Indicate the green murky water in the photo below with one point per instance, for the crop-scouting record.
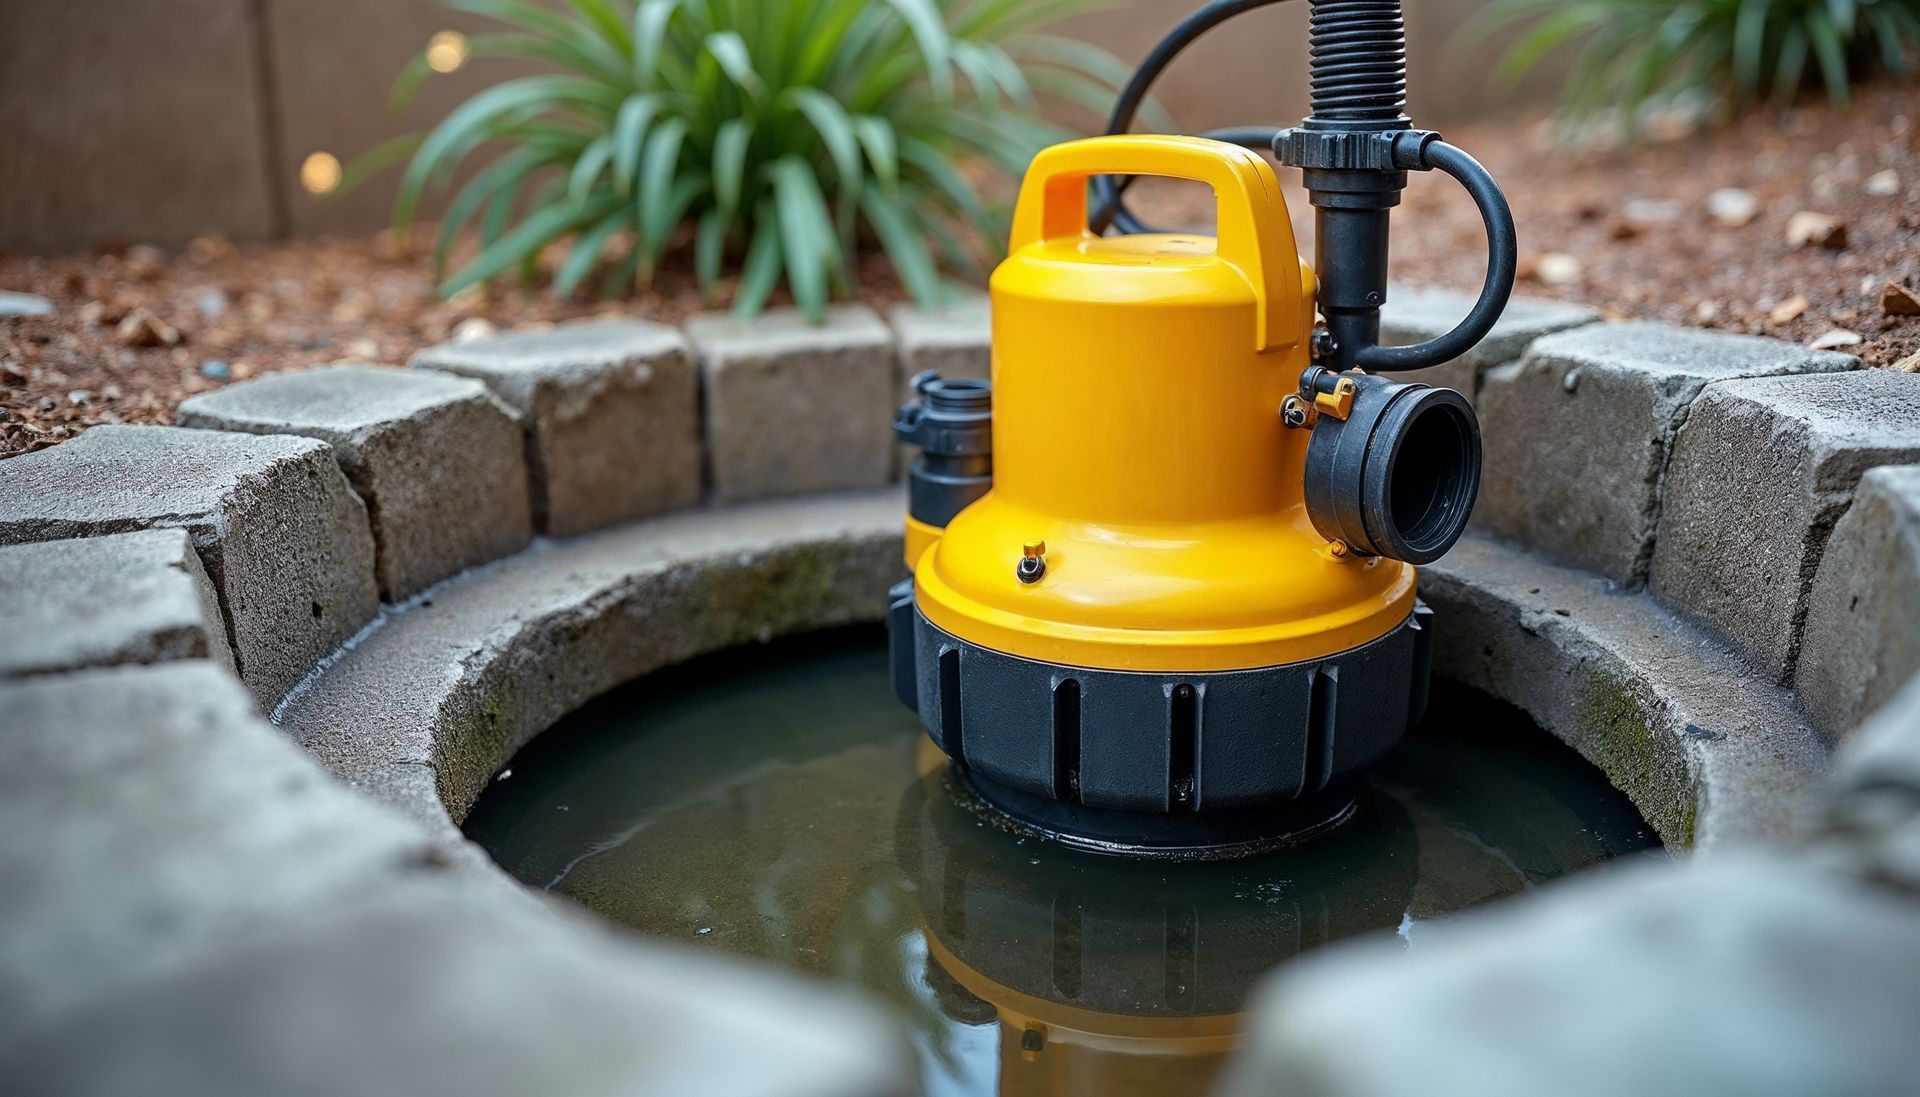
(778, 803)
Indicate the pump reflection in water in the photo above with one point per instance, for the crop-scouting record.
(777, 803)
(1117, 978)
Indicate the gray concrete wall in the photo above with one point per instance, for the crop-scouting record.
(137, 120)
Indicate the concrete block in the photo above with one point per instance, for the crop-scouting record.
(793, 407)
(1750, 975)
(955, 339)
(439, 462)
(283, 538)
(193, 907)
(138, 597)
(149, 813)
(612, 415)
(441, 998)
(1874, 819)
(1414, 315)
(452, 690)
(1578, 432)
(1714, 756)
(1760, 472)
(1862, 636)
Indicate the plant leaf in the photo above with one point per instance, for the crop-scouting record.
(876, 137)
(534, 232)
(1791, 65)
(930, 34)
(831, 122)
(586, 251)
(660, 220)
(376, 160)
(806, 233)
(407, 85)
(904, 248)
(730, 163)
(730, 50)
(657, 167)
(650, 19)
(587, 169)
(1749, 44)
(709, 249)
(629, 137)
(762, 266)
(979, 73)
(1825, 38)
(948, 181)
(584, 49)
(507, 170)
(601, 16)
(469, 121)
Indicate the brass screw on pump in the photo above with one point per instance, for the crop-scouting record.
(1033, 562)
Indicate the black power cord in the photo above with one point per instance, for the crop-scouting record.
(1354, 149)
(1503, 260)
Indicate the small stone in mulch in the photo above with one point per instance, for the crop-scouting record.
(1835, 339)
(1883, 184)
(216, 370)
(1809, 228)
(474, 328)
(1898, 300)
(1650, 211)
(24, 304)
(1553, 268)
(1733, 207)
(141, 328)
(1786, 312)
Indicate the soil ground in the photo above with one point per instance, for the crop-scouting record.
(136, 330)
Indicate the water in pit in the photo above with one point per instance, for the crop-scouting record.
(779, 803)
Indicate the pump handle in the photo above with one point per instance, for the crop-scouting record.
(1255, 237)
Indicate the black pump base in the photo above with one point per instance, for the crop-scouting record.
(1156, 764)
(1155, 836)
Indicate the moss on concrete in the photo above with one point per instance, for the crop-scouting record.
(1619, 734)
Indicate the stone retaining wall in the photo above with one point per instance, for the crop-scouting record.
(418, 571)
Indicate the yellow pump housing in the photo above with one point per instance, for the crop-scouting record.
(1137, 382)
(1139, 616)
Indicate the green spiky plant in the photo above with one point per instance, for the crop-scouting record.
(1626, 54)
(786, 134)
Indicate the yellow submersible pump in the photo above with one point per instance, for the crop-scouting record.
(1164, 598)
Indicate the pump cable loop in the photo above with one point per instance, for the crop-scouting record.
(1398, 147)
(1503, 260)
(1112, 209)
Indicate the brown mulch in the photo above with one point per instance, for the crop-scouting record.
(1631, 231)
(136, 331)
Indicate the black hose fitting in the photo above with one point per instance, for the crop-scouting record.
(951, 422)
(1398, 475)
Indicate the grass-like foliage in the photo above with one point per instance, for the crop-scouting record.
(782, 135)
(1625, 54)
